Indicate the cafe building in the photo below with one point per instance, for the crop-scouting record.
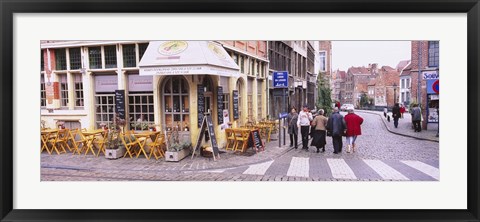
(169, 85)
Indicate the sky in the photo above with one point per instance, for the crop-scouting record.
(361, 53)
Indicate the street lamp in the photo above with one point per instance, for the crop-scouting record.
(394, 93)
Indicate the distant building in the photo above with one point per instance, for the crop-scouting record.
(405, 82)
(356, 84)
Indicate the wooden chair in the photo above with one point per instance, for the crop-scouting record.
(59, 140)
(156, 146)
(100, 142)
(129, 146)
(230, 139)
(46, 141)
(76, 143)
(241, 140)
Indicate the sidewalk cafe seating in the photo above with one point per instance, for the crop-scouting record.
(60, 141)
(100, 141)
(157, 146)
(76, 143)
(129, 144)
(241, 138)
(47, 136)
(231, 141)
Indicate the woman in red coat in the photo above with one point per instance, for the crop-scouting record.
(353, 122)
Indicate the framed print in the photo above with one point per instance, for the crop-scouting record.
(184, 111)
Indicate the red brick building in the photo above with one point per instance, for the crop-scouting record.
(428, 52)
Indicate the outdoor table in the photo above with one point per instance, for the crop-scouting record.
(45, 136)
(90, 136)
(142, 138)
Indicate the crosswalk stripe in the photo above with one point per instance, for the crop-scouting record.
(340, 169)
(299, 167)
(385, 171)
(258, 169)
(424, 168)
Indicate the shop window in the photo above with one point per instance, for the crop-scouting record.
(104, 109)
(129, 56)
(42, 61)
(75, 58)
(95, 57)
(43, 93)
(142, 47)
(176, 104)
(60, 59)
(63, 91)
(78, 90)
(140, 109)
(110, 56)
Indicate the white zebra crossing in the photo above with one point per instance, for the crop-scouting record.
(299, 167)
(340, 169)
(384, 170)
(258, 169)
(424, 168)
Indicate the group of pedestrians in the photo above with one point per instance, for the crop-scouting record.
(398, 111)
(319, 127)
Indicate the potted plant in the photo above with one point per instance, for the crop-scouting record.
(114, 147)
(177, 150)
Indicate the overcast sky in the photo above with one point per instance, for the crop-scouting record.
(361, 53)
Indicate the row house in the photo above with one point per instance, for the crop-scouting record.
(280, 55)
(338, 91)
(386, 88)
(356, 83)
(311, 75)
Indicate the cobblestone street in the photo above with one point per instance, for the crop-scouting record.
(381, 156)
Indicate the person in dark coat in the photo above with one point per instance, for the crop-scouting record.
(417, 118)
(336, 125)
(292, 127)
(396, 114)
(354, 129)
(319, 126)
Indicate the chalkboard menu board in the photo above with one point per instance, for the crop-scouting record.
(207, 124)
(201, 104)
(220, 104)
(255, 141)
(120, 103)
(213, 138)
(235, 104)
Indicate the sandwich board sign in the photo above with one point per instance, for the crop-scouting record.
(207, 124)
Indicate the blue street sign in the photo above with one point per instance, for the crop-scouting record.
(283, 115)
(280, 79)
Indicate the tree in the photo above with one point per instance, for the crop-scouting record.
(364, 100)
(324, 100)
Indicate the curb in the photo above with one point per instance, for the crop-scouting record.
(397, 133)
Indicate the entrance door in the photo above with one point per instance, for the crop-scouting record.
(208, 102)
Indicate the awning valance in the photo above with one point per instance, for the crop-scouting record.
(187, 58)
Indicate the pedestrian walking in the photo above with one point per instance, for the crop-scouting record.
(292, 127)
(385, 111)
(353, 122)
(319, 125)
(416, 118)
(304, 118)
(396, 114)
(336, 127)
(402, 110)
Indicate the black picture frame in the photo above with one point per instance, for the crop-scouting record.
(10, 7)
